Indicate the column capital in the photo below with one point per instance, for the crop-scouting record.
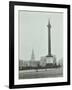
(49, 25)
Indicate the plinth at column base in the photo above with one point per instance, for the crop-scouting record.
(48, 60)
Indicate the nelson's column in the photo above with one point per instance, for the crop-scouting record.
(50, 59)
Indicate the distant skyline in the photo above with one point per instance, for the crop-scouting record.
(33, 34)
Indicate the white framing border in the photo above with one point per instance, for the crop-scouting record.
(40, 80)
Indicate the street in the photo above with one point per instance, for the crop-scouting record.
(41, 73)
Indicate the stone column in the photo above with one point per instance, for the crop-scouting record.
(49, 38)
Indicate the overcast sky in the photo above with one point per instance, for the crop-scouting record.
(33, 34)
